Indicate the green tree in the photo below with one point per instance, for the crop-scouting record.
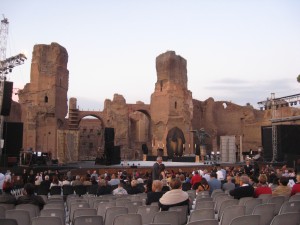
(298, 78)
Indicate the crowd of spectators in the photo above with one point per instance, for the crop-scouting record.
(169, 190)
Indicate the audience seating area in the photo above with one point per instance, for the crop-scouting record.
(216, 209)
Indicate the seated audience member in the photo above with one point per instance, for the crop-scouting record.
(93, 180)
(283, 188)
(244, 190)
(262, 187)
(87, 181)
(114, 180)
(185, 185)
(196, 178)
(77, 181)
(156, 193)
(120, 190)
(229, 185)
(66, 181)
(29, 197)
(55, 182)
(133, 188)
(175, 197)
(7, 197)
(103, 188)
(214, 183)
(46, 183)
(296, 187)
(165, 187)
(203, 186)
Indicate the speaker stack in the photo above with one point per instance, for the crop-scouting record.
(112, 152)
(7, 95)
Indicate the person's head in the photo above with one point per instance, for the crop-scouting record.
(46, 177)
(213, 175)
(244, 179)
(229, 179)
(298, 177)
(102, 183)
(157, 186)
(284, 181)
(162, 167)
(133, 183)
(182, 177)
(262, 179)
(175, 183)
(29, 189)
(159, 159)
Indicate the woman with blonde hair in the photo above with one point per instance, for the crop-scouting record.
(262, 186)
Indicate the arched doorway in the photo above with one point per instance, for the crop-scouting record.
(91, 138)
(139, 134)
(175, 142)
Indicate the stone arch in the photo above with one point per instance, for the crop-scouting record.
(174, 142)
(139, 132)
(91, 132)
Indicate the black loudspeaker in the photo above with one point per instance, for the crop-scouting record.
(116, 155)
(109, 134)
(266, 137)
(197, 152)
(13, 138)
(145, 149)
(7, 95)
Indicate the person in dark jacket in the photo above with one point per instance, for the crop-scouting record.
(244, 190)
(30, 198)
(156, 193)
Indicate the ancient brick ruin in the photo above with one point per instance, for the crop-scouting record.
(54, 124)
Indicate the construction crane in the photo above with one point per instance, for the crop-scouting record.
(273, 104)
(6, 66)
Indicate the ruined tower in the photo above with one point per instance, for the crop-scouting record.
(171, 106)
(44, 99)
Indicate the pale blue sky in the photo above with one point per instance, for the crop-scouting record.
(236, 50)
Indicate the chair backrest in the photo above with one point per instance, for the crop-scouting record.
(204, 222)
(133, 206)
(205, 205)
(95, 202)
(46, 220)
(77, 205)
(92, 189)
(103, 206)
(68, 190)
(286, 218)
(7, 206)
(112, 212)
(250, 205)
(84, 212)
(265, 197)
(202, 214)
(80, 189)
(54, 206)
(55, 190)
(294, 198)
(182, 212)
(171, 217)
(128, 219)
(2, 211)
(219, 199)
(54, 213)
(246, 220)
(244, 199)
(4, 221)
(232, 212)
(88, 220)
(147, 212)
(20, 215)
(266, 211)
(216, 191)
(290, 207)
(122, 201)
(202, 199)
(225, 204)
(42, 190)
(33, 210)
(278, 200)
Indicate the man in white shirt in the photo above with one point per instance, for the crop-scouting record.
(2, 178)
